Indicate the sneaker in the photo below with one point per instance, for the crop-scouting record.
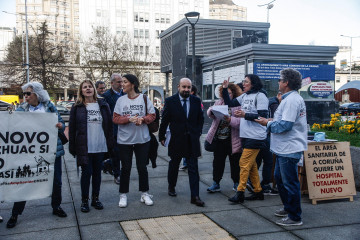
(117, 180)
(214, 188)
(249, 187)
(269, 191)
(123, 200)
(183, 168)
(288, 222)
(146, 198)
(235, 187)
(281, 213)
(274, 192)
(255, 196)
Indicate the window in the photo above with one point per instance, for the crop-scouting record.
(118, 12)
(141, 17)
(358, 78)
(136, 17)
(141, 33)
(141, 50)
(337, 79)
(157, 34)
(167, 18)
(147, 50)
(136, 33)
(118, 30)
(348, 78)
(71, 76)
(157, 17)
(157, 51)
(146, 33)
(98, 12)
(146, 17)
(136, 50)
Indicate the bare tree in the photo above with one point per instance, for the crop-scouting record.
(103, 54)
(46, 60)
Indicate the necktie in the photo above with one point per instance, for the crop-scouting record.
(185, 107)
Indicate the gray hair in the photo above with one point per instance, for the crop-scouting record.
(293, 77)
(112, 78)
(98, 83)
(38, 89)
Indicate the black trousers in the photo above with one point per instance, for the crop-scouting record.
(222, 150)
(193, 172)
(141, 154)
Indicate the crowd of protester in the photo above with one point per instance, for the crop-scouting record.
(107, 127)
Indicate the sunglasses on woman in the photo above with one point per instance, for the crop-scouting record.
(27, 93)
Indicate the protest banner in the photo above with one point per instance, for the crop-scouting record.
(27, 154)
(329, 171)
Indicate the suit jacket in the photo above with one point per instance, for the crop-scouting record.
(181, 127)
(111, 98)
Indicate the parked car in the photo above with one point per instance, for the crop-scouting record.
(64, 112)
(4, 106)
(69, 105)
(349, 108)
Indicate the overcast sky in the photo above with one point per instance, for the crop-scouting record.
(317, 22)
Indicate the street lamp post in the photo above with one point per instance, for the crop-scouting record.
(27, 44)
(269, 6)
(350, 48)
(191, 15)
(27, 40)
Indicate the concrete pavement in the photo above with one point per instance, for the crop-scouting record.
(336, 219)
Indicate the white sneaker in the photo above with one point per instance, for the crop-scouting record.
(146, 198)
(123, 200)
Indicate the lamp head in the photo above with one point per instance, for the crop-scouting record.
(192, 14)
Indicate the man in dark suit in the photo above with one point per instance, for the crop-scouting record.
(111, 96)
(183, 113)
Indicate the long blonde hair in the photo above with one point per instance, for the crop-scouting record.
(81, 97)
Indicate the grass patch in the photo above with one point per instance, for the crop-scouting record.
(354, 139)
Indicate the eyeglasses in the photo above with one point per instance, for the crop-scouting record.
(27, 93)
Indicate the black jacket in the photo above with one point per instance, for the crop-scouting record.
(181, 127)
(78, 130)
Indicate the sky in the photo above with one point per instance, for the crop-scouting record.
(304, 22)
(300, 22)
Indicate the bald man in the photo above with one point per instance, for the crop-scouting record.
(183, 114)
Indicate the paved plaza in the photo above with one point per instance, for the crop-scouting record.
(175, 217)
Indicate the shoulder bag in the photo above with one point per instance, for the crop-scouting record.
(153, 126)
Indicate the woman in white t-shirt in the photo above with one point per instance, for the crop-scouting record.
(254, 103)
(132, 115)
(90, 137)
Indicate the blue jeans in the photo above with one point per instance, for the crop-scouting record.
(19, 207)
(287, 180)
(92, 169)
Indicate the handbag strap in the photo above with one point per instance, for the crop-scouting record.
(145, 100)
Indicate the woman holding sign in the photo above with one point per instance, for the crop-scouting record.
(38, 101)
(225, 133)
(90, 137)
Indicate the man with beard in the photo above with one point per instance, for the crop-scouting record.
(183, 113)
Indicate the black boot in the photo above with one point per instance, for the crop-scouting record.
(256, 196)
(12, 221)
(85, 204)
(96, 203)
(238, 198)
